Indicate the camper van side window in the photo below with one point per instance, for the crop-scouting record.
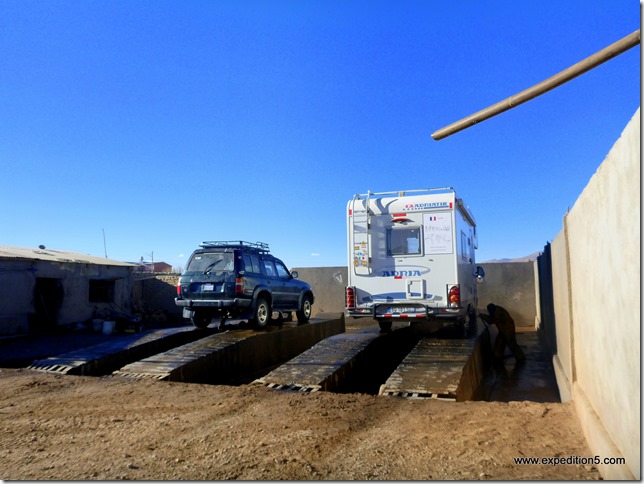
(403, 241)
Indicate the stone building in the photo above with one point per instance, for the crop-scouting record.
(45, 289)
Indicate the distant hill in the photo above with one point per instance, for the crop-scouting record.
(527, 258)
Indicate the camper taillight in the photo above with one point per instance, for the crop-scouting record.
(350, 298)
(454, 296)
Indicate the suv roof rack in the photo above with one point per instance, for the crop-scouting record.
(235, 244)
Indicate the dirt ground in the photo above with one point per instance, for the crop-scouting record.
(61, 427)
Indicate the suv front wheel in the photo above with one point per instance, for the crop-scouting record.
(304, 313)
(262, 315)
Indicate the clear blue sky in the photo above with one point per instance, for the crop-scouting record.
(165, 123)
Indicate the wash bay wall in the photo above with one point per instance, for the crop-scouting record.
(590, 314)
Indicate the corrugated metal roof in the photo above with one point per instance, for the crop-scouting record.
(10, 252)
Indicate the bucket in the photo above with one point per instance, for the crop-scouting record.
(97, 325)
(108, 327)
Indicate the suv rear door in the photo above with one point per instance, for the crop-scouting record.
(252, 275)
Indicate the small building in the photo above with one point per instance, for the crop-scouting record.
(44, 289)
(153, 267)
(161, 267)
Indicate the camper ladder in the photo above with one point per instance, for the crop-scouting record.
(360, 231)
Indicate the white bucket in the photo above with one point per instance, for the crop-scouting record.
(108, 327)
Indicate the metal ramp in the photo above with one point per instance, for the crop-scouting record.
(103, 358)
(325, 366)
(228, 357)
(181, 364)
(433, 369)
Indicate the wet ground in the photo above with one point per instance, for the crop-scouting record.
(20, 351)
(534, 380)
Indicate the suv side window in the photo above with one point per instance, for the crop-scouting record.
(269, 268)
(282, 271)
(251, 264)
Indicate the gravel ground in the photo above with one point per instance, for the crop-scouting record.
(61, 427)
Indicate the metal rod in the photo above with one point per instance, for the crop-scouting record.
(566, 75)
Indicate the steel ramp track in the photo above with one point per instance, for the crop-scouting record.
(433, 369)
(228, 357)
(325, 366)
(294, 388)
(103, 358)
(172, 363)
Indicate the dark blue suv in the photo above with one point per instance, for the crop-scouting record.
(240, 280)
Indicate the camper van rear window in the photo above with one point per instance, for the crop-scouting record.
(403, 241)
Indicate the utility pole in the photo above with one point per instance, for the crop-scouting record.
(564, 76)
(104, 243)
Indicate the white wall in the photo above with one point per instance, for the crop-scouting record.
(562, 360)
(596, 287)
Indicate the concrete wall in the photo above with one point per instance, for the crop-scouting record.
(508, 284)
(596, 291)
(18, 299)
(511, 285)
(328, 285)
(156, 293)
(563, 349)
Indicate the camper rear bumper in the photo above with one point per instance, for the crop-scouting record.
(405, 311)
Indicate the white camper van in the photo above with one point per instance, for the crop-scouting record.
(411, 256)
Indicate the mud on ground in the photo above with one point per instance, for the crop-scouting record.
(60, 427)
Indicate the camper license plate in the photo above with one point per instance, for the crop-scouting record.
(208, 287)
(402, 309)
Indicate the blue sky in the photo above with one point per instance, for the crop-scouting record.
(166, 123)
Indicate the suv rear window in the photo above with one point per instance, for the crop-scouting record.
(211, 262)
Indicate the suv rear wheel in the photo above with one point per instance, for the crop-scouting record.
(200, 320)
(262, 314)
(304, 313)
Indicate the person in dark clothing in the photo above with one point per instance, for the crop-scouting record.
(507, 333)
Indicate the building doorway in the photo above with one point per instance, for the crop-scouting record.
(48, 299)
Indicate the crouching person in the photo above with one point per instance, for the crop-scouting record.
(507, 332)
